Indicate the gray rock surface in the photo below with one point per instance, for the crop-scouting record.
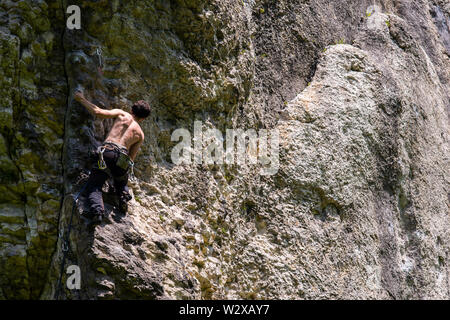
(359, 92)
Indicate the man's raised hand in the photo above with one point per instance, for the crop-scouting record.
(79, 96)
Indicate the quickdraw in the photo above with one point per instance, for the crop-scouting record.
(101, 162)
(98, 51)
(132, 176)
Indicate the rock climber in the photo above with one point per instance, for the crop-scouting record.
(116, 155)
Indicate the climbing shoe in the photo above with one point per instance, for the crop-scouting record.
(123, 201)
(97, 218)
(127, 197)
(94, 217)
(123, 205)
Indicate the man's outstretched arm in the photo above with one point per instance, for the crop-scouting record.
(96, 111)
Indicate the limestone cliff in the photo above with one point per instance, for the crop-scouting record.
(358, 91)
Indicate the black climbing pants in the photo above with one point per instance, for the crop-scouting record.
(98, 178)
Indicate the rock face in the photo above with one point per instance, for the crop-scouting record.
(358, 91)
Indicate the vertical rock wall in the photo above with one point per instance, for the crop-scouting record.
(358, 92)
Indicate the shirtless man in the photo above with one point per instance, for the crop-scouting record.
(121, 146)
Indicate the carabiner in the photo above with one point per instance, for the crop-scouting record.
(132, 177)
(101, 162)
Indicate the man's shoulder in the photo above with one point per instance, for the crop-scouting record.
(123, 112)
(118, 113)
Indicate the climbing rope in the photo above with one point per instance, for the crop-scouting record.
(66, 244)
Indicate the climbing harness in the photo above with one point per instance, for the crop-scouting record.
(123, 161)
(65, 240)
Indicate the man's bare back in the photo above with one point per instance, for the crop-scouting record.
(126, 130)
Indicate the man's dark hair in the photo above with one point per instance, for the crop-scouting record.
(141, 109)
